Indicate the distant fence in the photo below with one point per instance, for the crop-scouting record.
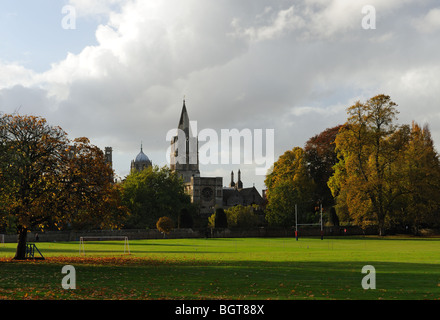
(133, 234)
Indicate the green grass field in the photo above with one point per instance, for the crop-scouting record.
(257, 269)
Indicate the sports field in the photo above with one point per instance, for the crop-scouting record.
(257, 269)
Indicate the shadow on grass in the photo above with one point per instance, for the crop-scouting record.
(373, 237)
(76, 251)
(256, 280)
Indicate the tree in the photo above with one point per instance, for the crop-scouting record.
(221, 221)
(30, 158)
(421, 168)
(88, 190)
(281, 204)
(321, 157)
(333, 217)
(165, 225)
(288, 184)
(46, 181)
(367, 178)
(185, 219)
(153, 193)
(241, 216)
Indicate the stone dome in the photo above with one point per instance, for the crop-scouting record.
(142, 157)
(141, 162)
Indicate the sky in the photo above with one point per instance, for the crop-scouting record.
(117, 71)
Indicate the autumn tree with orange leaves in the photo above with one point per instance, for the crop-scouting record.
(386, 174)
(47, 180)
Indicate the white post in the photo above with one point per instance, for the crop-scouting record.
(126, 245)
(296, 222)
(81, 243)
(322, 233)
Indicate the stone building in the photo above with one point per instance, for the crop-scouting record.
(108, 157)
(141, 162)
(108, 154)
(237, 195)
(184, 156)
(207, 192)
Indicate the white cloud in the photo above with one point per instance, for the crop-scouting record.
(330, 18)
(291, 68)
(14, 74)
(96, 7)
(429, 23)
(416, 91)
(318, 111)
(307, 20)
(283, 22)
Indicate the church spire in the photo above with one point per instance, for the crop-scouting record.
(184, 156)
(232, 184)
(239, 182)
(184, 120)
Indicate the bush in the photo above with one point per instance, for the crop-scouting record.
(185, 219)
(165, 225)
(333, 217)
(147, 195)
(221, 221)
(211, 221)
(242, 217)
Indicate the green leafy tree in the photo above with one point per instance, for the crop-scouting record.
(288, 184)
(211, 221)
(153, 193)
(185, 219)
(221, 220)
(333, 217)
(242, 216)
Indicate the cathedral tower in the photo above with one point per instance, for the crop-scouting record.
(184, 157)
(141, 162)
(206, 192)
(108, 154)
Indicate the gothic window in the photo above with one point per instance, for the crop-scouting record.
(207, 193)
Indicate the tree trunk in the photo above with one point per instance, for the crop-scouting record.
(20, 254)
(381, 229)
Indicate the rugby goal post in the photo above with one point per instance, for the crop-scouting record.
(84, 239)
(307, 224)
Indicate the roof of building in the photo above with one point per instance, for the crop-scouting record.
(246, 195)
(142, 157)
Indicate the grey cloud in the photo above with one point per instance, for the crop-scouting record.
(241, 64)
